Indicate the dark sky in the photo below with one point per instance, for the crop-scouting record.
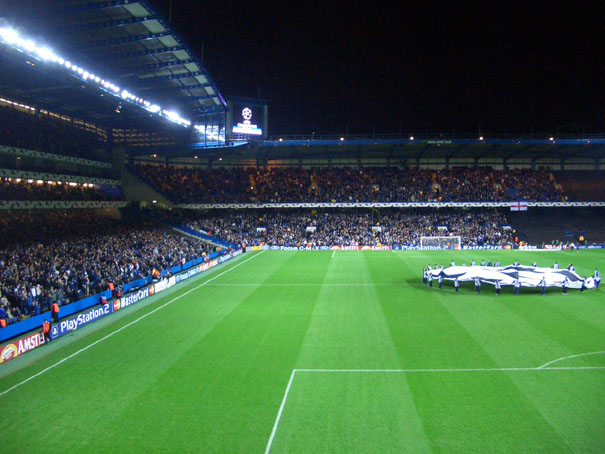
(333, 67)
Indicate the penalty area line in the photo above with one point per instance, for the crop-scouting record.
(43, 371)
(412, 371)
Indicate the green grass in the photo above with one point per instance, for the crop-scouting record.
(209, 371)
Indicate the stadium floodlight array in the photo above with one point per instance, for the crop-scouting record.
(41, 52)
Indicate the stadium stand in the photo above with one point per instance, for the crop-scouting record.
(347, 227)
(51, 133)
(20, 189)
(582, 185)
(548, 225)
(347, 184)
(62, 256)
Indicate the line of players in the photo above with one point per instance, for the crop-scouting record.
(427, 278)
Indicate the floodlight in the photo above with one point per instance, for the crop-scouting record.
(9, 35)
(28, 45)
(45, 53)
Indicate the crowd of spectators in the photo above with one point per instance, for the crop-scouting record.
(21, 189)
(349, 227)
(348, 184)
(62, 256)
(37, 131)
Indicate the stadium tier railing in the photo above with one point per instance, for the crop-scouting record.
(45, 176)
(59, 204)
(222, 206)
(25, 153)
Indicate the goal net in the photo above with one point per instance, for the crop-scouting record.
(428, 243)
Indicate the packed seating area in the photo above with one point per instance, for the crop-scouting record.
(347, 227)
(21, 189)
(348, 184)
(40, 132)
(62, 256)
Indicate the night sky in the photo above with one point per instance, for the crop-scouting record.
(333, 67)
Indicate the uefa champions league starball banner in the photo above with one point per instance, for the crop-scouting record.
(528, 276)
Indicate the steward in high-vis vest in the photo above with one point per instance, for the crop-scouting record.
(54, 309)
(46, 330)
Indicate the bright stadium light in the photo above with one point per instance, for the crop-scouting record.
(411, 137)
(11, 37)
(46, 54)
(28, 45)
(481, 138)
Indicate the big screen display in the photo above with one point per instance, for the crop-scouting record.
(247, 119)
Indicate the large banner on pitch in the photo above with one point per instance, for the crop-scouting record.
(528, 276)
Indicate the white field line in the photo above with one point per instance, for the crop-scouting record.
(333, 253)
(411, 371)
(307, 284)
(544, 366)
(125, 326)
(281, 409)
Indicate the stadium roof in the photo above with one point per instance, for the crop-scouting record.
(408, 149)
(125, 40)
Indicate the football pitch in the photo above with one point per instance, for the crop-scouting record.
(324, 352)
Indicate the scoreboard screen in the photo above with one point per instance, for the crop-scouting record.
(247, 119)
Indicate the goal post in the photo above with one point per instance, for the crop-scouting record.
(428, 243)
